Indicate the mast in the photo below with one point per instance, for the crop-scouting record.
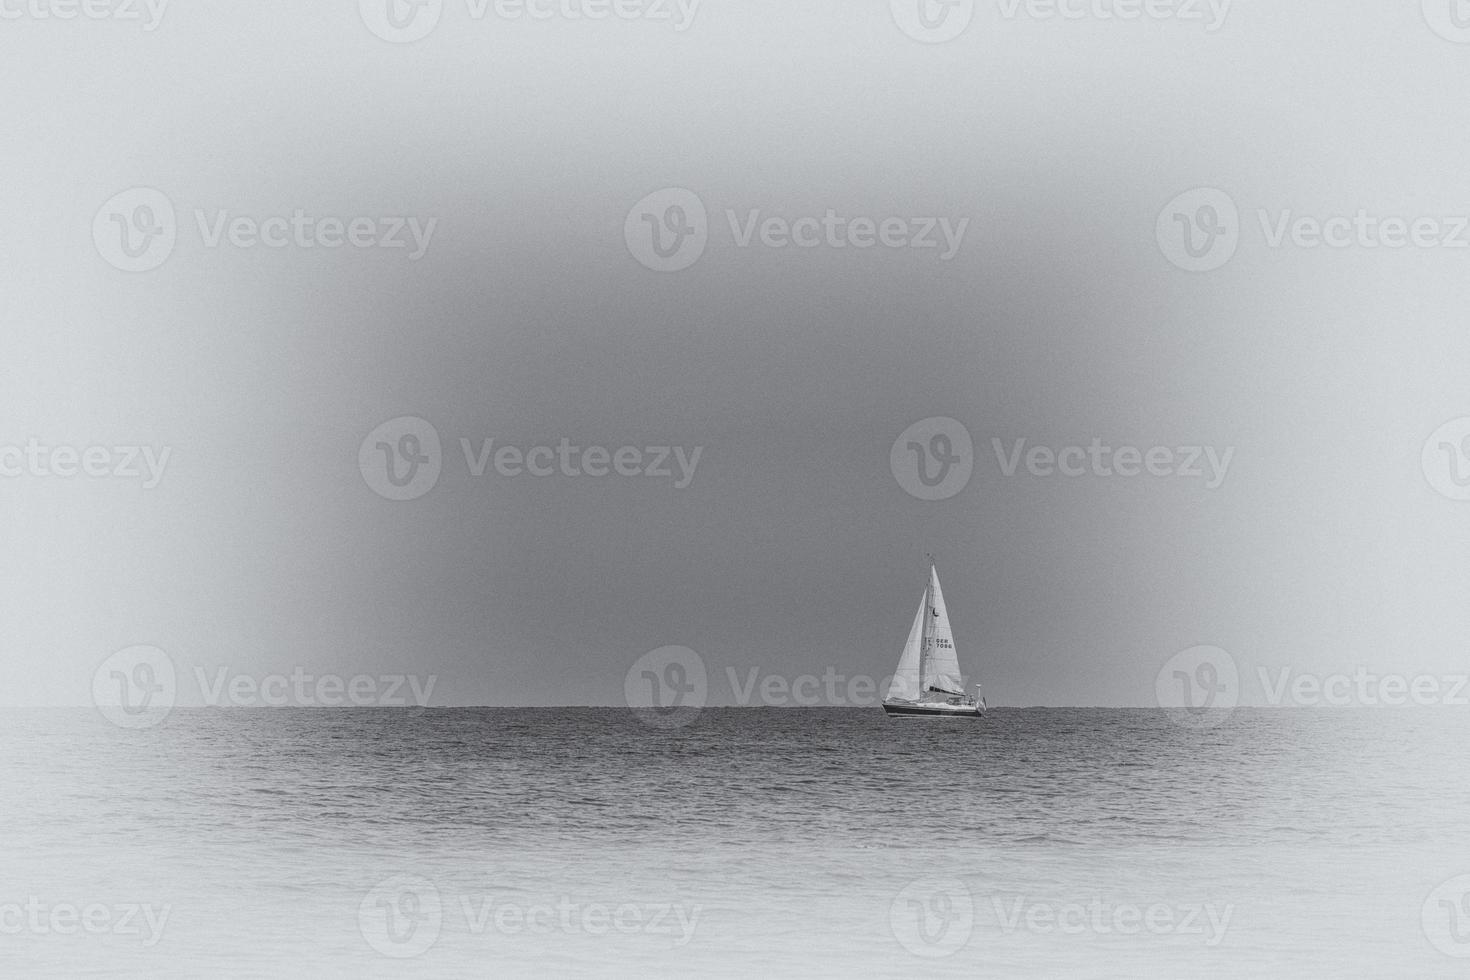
(927, 636)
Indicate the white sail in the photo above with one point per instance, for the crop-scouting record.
(905, 683)
(927, 683)
(941, 663)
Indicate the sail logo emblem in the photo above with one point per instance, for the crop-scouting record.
(1446, 459)
(667, 687)
(1445, 917)
(1450, 19)
(933, 919)
(1198, 687)
(136, 230)
(667, 230)
(401, 21)
(932, 21)
(401, 459)
(401, 916)
(1199, 230)
(135, 687)
(933, 459)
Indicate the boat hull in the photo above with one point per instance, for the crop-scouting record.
(932, 710)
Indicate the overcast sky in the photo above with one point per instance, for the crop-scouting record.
(528, 319)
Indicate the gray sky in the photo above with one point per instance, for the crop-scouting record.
(527, 320)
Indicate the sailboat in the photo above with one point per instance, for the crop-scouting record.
(927, 682)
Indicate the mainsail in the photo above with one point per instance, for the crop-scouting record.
(929, 662)
(941, 663)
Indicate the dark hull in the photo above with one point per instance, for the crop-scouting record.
(934, 711)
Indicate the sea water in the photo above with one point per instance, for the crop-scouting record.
(827, 842)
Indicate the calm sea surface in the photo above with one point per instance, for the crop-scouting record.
(482, 842)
